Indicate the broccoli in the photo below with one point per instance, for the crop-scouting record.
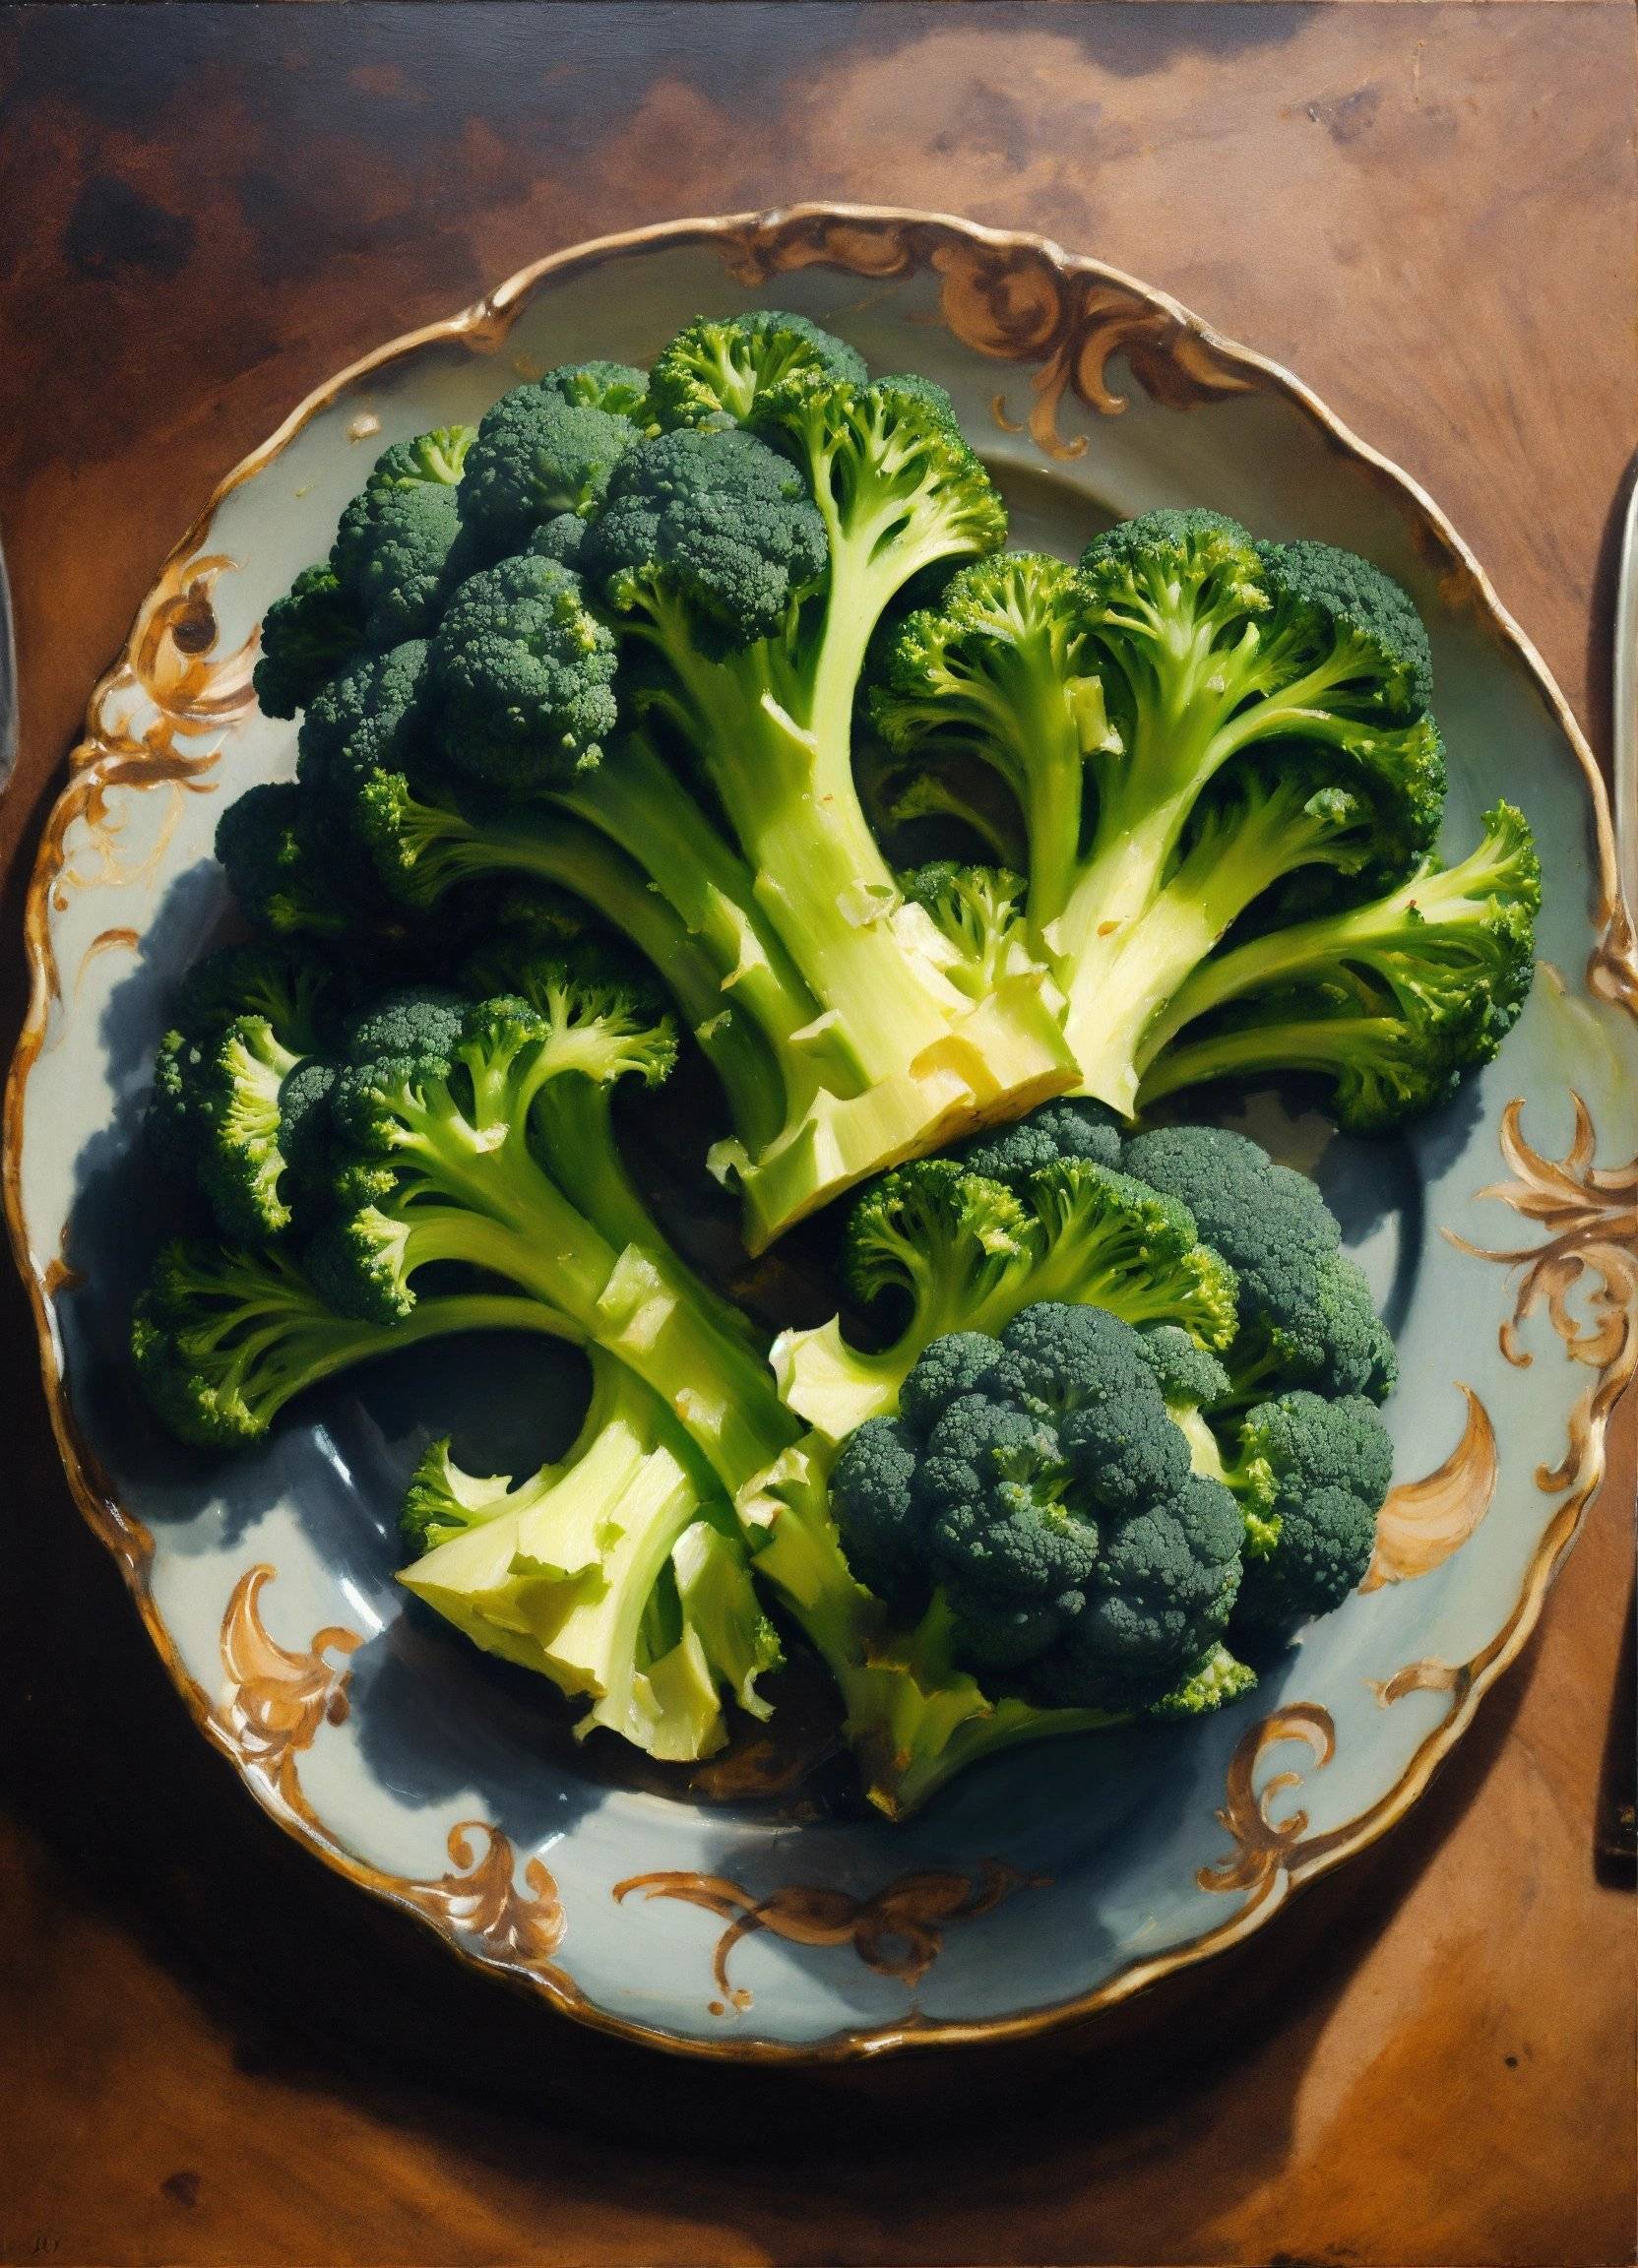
(665, 728)
(1389, 1004)
(1043, 1556)
(618, 1573)
(522, 673)
(1304, 1314)
(223, 1336)
(305, 638)
(541, 450)
(1194, 727)
(713, 371)
(399, 550)
(1311, 1475)
(248, 1021)
(948, 1251)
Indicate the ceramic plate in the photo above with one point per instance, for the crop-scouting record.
(746, 1915)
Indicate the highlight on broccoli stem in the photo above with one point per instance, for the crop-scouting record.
(1229, 782)
(623, 659)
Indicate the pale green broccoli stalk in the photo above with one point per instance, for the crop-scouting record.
(617, 1572)
(1041, 1556)
(946, 1249)
(474, 1154)
(1197, 729)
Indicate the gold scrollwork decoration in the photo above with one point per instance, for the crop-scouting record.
(1267, 1850)
(1424, 1521)
(1590, 1215)
(898, 1932)
(276, 1701)
(1015, 303)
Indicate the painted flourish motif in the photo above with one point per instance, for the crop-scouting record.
(898, 1932)
(275, 1703)
(1586, 1274)
(1267, 1850)
(1014, 302)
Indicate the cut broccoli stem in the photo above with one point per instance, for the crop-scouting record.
(717, 1381)
(565, 1573)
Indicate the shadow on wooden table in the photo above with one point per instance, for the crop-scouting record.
(320, 1990)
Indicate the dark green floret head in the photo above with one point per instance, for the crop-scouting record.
(1039, 1484)
(715, 521)
(1305, 1308)
(1073, 1126)
(398, 554)
(715, 368)
(413, 1020)
(559, 538)
(277, 870)
(1311, 1475)
(522, 676)
(1325, 599)
(1187, 1376)
(615, 387)
(306, 636)
(538, 454)
(370, 717)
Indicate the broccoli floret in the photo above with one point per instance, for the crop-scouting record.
(370, 716)
(946, 1249)
(1201, 734)
(398, 555)
(248, 1020)
(539, 452)
(1304, 1308)
(1071, 1127)
(1053, 1502)
(715, 368)
(617, 1573)
(271, 848)
(711, 523)
(1311, 1475)
(523, 675)
(611, 386)
(306, 636)
(1390, 1005)
(496, 1152)
(222, 1339)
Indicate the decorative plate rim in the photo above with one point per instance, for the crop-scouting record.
(1280, 1858)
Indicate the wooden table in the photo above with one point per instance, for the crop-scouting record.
(211, 2051)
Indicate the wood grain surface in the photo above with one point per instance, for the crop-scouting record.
(210, 2050)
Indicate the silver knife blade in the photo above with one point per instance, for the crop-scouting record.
(1626, 709)
(8, 680)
